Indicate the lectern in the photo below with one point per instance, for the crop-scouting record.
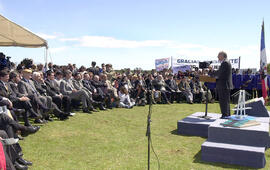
(207, 79)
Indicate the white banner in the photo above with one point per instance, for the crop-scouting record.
(181, 61)
(215, 63)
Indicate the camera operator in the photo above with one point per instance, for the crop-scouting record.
(4, 61)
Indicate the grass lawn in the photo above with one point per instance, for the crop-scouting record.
(115, 139)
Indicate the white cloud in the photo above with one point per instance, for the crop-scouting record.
(250, 54)
(57, 49)
(195, 50)
(46, 36)
(110, 42)
(69, 39)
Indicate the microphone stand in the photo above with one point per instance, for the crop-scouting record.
(148, 130)
(206, 104)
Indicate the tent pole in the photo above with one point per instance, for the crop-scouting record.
(46, 59)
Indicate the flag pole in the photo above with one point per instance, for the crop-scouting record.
(239, 62)
(263, 65)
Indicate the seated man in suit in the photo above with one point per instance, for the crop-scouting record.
(78, 84)
(87, 83)
(19, 101)
(96, 94)
(9, 125)
(43, 89)
(67, 88)
(26, 87)
(102, 90)
(53, 89)
(58, 77)
(173, 88)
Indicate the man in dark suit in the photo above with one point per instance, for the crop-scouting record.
(67, 88)
(101, 88)
(10, 126)
(53, 89)
(173, 88)
(26, 87)
(19, 101)
(224, 84)
(43, 91)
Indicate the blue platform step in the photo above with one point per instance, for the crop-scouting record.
(195, 125)
(243, 155)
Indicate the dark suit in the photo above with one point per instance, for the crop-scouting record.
(5, 92)
(67, 88)
(14, 98)
(27, 88)
(42, 89)
(102, 94)
(94, 70)
(224, 86)
(53, 90)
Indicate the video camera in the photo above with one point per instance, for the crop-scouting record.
(205, 64)
(4, 61)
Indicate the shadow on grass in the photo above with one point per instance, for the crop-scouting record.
(175, 132)
(197, 159)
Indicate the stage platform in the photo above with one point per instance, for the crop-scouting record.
(239, 146)
(194, 125)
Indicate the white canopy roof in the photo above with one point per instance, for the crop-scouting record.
(12, 34)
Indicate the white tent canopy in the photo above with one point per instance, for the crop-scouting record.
(12, 34)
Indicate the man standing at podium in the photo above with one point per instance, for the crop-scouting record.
(223, 84)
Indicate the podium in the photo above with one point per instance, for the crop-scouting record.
(207, 79)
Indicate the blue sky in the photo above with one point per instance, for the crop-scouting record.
(134, 33)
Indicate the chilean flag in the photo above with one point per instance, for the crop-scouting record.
(263, 66)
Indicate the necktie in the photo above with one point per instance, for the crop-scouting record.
(6, 86)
